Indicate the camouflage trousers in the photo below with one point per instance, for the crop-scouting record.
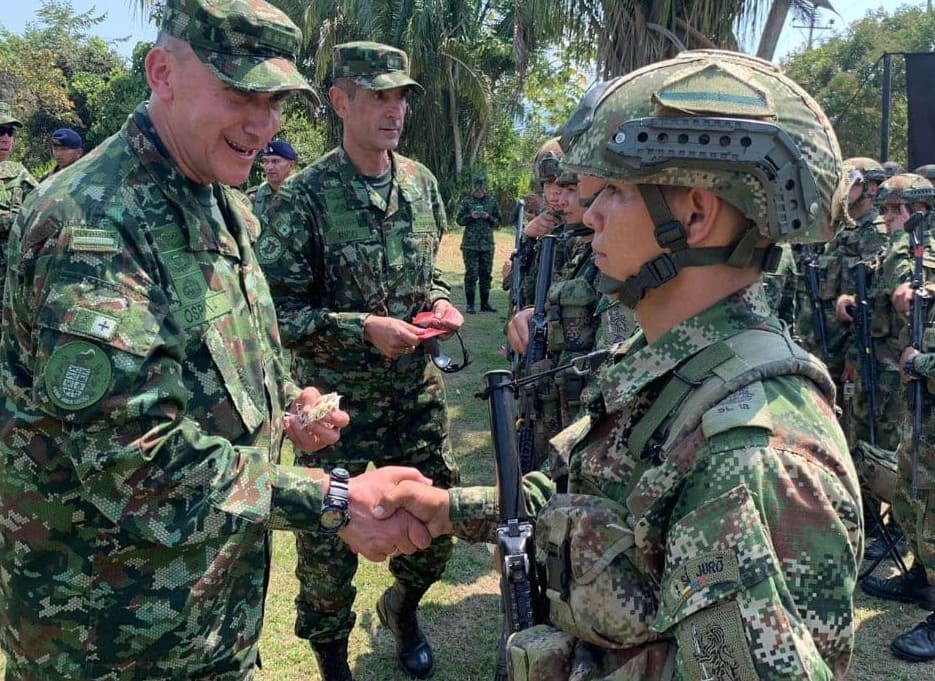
(477, 268)
(916, 517)
(890, 406)
(405, 425)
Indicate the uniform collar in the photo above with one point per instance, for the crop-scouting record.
(641, 363)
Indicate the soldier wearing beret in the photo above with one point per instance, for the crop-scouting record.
(67, 147)
(15, 182)
(145, 394)
(279, 162)
(349, 248)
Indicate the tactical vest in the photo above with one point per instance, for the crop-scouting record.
(609, 592)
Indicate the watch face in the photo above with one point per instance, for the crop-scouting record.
(333, 518)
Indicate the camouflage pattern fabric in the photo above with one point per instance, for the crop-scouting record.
(334, 251)
(852, 244)
(780, 287)
(144, 396)
(15, 183)
(747, 519)
(260, 196)
(371, 65)
(478, 232)
(248, 44)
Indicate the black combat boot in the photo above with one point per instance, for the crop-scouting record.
(487, 307)
(912, 587)
(879, 548)
(332, 660)
(397, 611)
(918, 644)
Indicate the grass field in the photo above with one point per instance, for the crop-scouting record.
(460, 613)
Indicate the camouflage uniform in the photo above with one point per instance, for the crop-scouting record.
(144, 394)
(477, 245)
(714, 494)
(335, 252)
(712, 528)
(260, 196)
(143, 378)
(780, 287)
(15, 183)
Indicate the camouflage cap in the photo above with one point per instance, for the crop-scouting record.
(248, 44)
(7, 117)
(722, 121)
(373, 66)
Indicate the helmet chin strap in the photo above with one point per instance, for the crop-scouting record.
(672, 235)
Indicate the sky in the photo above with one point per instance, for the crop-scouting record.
(124, 19)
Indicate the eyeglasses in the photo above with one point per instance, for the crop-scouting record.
(7, 131)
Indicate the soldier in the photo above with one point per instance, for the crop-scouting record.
(144, 391)
(900, 196)
(716, 441)
(479, 214)
(927, 171)
(349, 249)
(67, 147)
(279, 162)
(15, 183)
(891, 168)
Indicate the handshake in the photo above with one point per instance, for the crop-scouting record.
(393, 510)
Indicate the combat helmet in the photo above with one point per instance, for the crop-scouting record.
(864, 170)
(547, 165)
(721, 121)
(927, 171)
(892, 168)
(906, 188)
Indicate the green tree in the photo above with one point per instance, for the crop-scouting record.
(845, 74)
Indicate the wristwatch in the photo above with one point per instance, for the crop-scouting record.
(334, 507)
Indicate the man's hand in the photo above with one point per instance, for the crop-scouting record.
(392, 337)
(908, 354)
(542, 224)
(389, 534)
(447, 316)
(842, 307)
(902, 298)
(314, 435)
(507, 268)
(848, 373)
(517, 331)
(428, 504)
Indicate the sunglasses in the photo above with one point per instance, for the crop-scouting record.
(7, 131)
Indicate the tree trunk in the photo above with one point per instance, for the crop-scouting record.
(453, 118)
(773, 28)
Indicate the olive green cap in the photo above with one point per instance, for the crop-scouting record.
(248, 44)
(7, 117)
(373, 66)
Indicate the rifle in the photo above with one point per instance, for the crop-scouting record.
(814, 295)
(915, 226)
(868, 360)
(535, 353)
(519, 583)
(516, 285)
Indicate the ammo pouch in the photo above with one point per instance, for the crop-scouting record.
(593, 590)
(572, 324)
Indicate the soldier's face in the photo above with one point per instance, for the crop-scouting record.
(217, 131)
(276, 169)
(623, 231)
(64, 156)
(895, 214)
(551, 192)
(6, 141)
(570, 206)
(373, 119)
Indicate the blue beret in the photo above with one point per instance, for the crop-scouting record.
(66, 137)
(280, 148)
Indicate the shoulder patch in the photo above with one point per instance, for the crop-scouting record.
(77, 375)
(269, 248)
